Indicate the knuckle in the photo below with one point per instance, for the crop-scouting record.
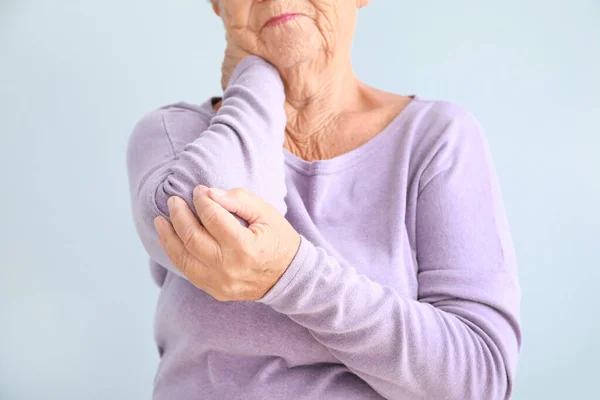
(217, 256)
(269, 209)
(240, 193)
(184, 261)
(190, 236)
(238, 190)
(174, 212)
(208, 215)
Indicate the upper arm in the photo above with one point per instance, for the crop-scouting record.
(148, 148)
(459, 204)
(464, 248)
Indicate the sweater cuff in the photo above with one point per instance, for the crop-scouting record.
(255, 71)
(302, 264)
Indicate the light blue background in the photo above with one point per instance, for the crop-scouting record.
(76, 297)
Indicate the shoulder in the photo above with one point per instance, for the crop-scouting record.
(444, 119)
(443, 126)
(443, 135)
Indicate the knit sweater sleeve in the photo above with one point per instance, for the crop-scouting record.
(241, 147)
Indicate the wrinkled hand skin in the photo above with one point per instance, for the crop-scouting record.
(222, 257)
(233, 55)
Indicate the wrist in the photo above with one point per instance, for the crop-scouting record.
(253, 71)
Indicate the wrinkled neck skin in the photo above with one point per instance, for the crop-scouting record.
(320, 95)
(329, 111)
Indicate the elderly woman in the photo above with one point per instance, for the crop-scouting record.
(317, 238)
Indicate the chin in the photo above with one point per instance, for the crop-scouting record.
(290, 45)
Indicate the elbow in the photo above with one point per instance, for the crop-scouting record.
(148, 201)
(492, 369)
(153, 198)
(489, 380)
(145, 209)
(484, 367)
(490, 339)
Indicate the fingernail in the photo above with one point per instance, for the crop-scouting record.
(171, 203)
(218, 192)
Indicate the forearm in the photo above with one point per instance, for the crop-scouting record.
(242, 147)
(404, 348)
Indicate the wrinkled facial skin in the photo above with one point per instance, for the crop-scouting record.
(323, 29)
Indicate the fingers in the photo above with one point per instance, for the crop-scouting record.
(173, 246)
(194, 237)
(219, 222)
(243, 203)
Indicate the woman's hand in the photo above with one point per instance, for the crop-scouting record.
(223, 258)
(233, 55)
(231, 12)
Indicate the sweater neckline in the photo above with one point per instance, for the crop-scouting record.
(348, 159)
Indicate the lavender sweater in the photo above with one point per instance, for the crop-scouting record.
(405, 284)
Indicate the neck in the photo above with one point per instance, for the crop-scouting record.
(316, 99)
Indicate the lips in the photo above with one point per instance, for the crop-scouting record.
(281, 19)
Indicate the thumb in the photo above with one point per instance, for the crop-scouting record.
(241, 202)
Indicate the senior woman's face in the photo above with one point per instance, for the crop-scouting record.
(287, 32)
